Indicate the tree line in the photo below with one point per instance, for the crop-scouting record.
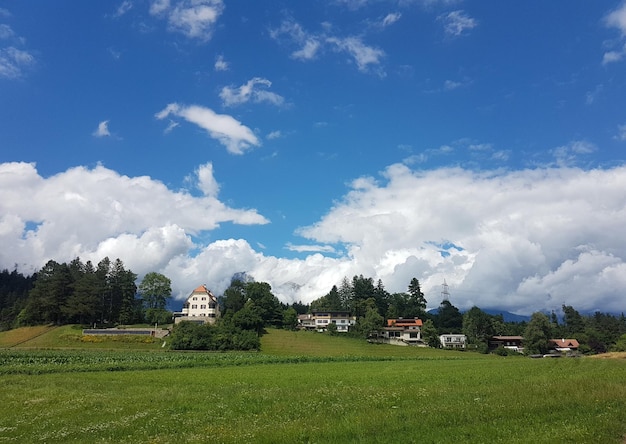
(82, 293)
(106, 294)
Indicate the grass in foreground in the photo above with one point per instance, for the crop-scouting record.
(306, 387)
(431, 400)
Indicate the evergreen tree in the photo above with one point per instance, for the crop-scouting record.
(417, 301)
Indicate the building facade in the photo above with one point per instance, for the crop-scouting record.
(453, 341)
(400, 331)
(319, 320)
(201, 306)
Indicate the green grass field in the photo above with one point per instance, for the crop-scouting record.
(306, 388)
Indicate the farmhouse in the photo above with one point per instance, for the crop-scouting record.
(319, 320)
(454, 341)
(201, 306)
(564, 345)
(509, 342)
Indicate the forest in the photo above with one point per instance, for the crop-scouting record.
(107, 295)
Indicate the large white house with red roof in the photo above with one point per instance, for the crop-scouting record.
(201, 306)
(402, 331)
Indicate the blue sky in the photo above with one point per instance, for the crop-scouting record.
(478, 142)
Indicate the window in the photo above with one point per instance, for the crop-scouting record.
(194, 306)
(195, 298)
(212, 305)
(203, 307)
(203, 298)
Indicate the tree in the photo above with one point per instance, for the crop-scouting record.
(574, 322)
(372, 321)
(449, 319)
(234, 296)
(430, 334)
(479, 326)
(268, 305)
(290, 319)
(329, 302)
(155, 289)
(537, 334)
(82, 305)
(417, 301)
(248, 318)
(49, 294)
(332, 329)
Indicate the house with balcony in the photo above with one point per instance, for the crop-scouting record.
(319, 320)
(401, 331)
(514, 343)
(453, 341)
(201, 306)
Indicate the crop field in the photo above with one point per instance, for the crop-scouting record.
(369, 394)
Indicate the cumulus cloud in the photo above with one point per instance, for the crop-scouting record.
(96, 212)
(518, 240)
(251, 90)
(508, 230)
(457, 23)
(231, 133)
(195, 19)
(102, 130)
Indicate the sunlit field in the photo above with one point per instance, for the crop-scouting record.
(369, 393)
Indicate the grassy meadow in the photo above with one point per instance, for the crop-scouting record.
(305, 388)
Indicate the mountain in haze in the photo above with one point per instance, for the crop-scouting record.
(506, 315)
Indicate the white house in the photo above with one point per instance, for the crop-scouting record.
(455, 341)
(400, 332)
(319, 320)
(201, 306)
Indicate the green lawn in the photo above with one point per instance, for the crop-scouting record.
(296, 392)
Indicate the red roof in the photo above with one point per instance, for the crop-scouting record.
(404, 322)
(565, 343)
(201, 289)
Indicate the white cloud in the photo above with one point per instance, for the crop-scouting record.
(616, 19)
(14, 61)
(391, 18)
(511, 228)
(251, 90)
(206, 181)
(310, 45)
(236, 137)
(195, 19)
(274, 135)
(6, 31)
(518, 240)
(569, 155)
(363, 55)
(456, 23)
(310, 248)
(123, 8)
(102, 130)
(96, 212)
(221, 64)
(621, 132)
